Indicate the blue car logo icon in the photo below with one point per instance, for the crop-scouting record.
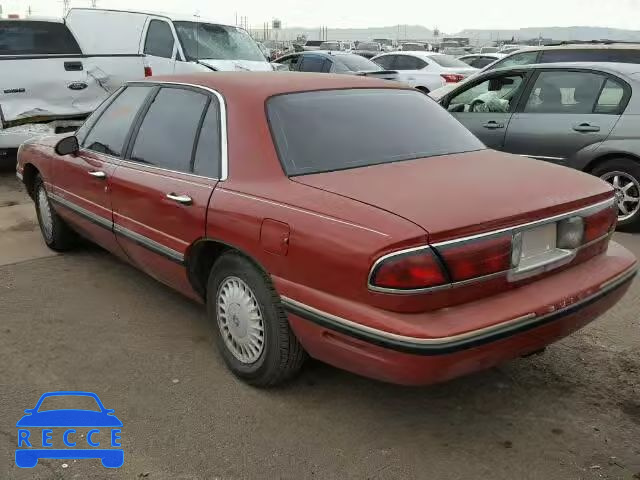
(82, 433)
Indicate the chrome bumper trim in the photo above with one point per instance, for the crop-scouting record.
(444, 345)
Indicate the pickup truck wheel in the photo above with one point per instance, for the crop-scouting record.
(623, 174)
(56, 234)
(252, 330)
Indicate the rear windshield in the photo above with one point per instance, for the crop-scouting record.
(36, 38)
(368, 46)
(338, 129)
(448, 61)
(591, 55)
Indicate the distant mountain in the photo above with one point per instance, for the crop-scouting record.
(556, 33)
(477, 36)
(402, 32)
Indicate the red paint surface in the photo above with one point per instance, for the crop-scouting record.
(340, 223)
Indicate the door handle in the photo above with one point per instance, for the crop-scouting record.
(586, 127)
(493, 125)
(183, 199)
(98, 174)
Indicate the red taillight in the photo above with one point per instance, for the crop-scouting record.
(148, 72)
(600, 223)
(408, 271)
(452, 77)
(477, 258)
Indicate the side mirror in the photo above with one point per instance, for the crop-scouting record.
(279, 67)
(67, 146)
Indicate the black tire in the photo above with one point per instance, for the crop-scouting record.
(282, 355)
(60, 237)
(631, 168)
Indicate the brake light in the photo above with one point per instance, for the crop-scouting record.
(477, 258)
(147, 71)
(452, 77)
(600, 223)
(408, 271)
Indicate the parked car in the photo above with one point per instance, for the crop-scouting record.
(332, 46)
(310, 223)
(413, 47)
(312, 45)
(480, 60)
(425, 71)
(508, 48)
(48, 83)
(368, 49)
(334, 62)
(489, 50)
(585, 116)
(606, 52)
(170, 43)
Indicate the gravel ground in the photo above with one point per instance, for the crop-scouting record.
(85, 321)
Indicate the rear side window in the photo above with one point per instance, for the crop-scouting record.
(314, 63)
(36, 38)
(159, 41)
(168, 132)
(208, 151)
(611, 98)
(110, 130)
(361, 127)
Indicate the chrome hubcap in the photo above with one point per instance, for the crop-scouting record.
(240, 320)
(627, 191)
(46, 217)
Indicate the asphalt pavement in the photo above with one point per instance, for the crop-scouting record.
(87, 321)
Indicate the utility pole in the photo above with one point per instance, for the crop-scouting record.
(65, 7)
(94, 3)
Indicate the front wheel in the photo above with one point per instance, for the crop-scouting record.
(623, 175)
(252, 330)
(55, 232)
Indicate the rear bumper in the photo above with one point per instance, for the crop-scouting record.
(563, 307)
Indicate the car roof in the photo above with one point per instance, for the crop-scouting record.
(174, 17)
(610, 67)
(262, 85)
(581, 46)
(415, 53)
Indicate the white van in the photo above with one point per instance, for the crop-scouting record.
(171, 43)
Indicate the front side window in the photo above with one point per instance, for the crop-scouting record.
(386, 61)
(360, 127)
(291, 62)
(18, 37)
(111, 128)
(494, 95)
(564, 92)
(524, 58)
(407, 62)
(209, 41)
(168, 131)
(159, 41)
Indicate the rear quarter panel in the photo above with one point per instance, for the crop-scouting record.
(624, 140)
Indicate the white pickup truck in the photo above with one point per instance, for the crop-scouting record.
(53, 73)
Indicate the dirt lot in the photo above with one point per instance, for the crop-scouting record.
(85, 321)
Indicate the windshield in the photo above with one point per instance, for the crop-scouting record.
(217, 42)
(368, 46)
(356, 63)
(448, 61)
(349, 130)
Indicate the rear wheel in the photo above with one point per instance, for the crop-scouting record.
(252, 330)
(623, 174)
(55, 232)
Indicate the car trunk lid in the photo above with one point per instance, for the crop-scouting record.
(452, 196)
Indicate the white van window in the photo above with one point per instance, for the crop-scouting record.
(202, 41)
(159, 41)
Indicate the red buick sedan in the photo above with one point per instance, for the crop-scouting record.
(345, 218)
